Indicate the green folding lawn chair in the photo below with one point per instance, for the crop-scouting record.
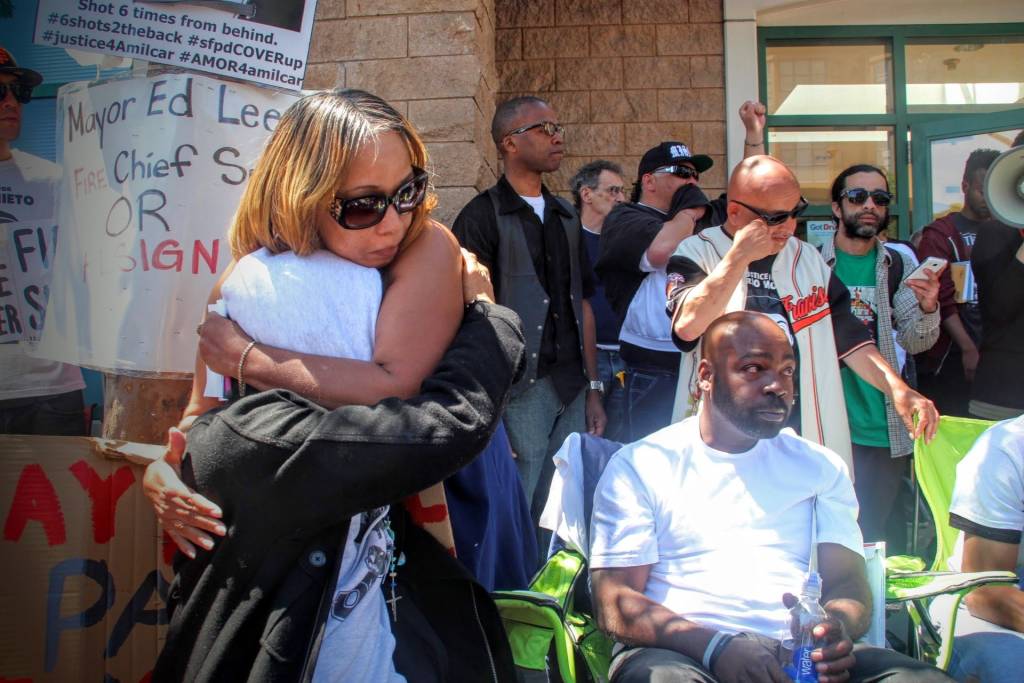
(551, 627)
(906, 581)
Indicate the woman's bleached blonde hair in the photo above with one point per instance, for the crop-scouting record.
(305, 159)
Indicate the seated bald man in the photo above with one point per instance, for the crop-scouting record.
(700, 529)
(753, 262)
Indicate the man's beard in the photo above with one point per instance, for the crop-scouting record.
(980, 209)
(746, 419)
(854, 230)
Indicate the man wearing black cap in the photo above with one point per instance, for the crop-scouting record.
(638, 237)
(36, 396)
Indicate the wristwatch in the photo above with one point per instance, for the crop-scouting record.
(596, 385)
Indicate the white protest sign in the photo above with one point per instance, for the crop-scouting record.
(153, 172)
(25, 250)
(264, 41)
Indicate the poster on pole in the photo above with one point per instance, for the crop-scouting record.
(153, 172)
(263, 41)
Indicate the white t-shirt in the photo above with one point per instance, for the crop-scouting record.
(988, 498)
(727, 533)
(28, 191)
(537, 204)
(646, 323)
(358, 643)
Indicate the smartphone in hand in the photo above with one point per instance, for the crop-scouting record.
(933, 264)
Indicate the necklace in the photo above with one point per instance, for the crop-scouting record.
(397, 560)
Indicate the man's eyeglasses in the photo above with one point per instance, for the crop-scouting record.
(613, 190)
(858, 196)
(550, 128)
(365, 212)
(684, 172)
(22, 93)
(778, 217)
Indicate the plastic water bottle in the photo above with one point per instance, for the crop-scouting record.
(804, 616)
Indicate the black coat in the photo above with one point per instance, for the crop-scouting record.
(289, 475)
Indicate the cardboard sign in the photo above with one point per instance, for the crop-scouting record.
(83, 576)
(264, 41)
(153, 172)
(25, 251)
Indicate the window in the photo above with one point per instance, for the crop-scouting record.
(842, 95)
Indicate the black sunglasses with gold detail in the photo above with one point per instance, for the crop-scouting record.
(367, 211)
(776, 217)
(550, 128)
(22, 93)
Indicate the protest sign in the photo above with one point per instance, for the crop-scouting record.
(264, 41)
(85, 572)
(153, 172)
(25, 250)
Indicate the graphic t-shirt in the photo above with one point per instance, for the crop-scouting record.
(865, 405)
(358, 643)
(28, 236)
(763, 297)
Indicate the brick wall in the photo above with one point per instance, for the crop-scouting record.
(434, 61)
(621, 75)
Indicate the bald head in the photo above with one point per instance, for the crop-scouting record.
(739, 329)
(758, 178)
(746, 370)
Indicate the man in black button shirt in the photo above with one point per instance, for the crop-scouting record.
(530, 241)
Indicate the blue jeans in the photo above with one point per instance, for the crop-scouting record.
(609, 366)
(981, 649)
(650, 393)
(537, 424)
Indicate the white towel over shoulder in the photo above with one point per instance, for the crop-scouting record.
(320, 304)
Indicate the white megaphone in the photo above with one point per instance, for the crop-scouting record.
(1004, 187)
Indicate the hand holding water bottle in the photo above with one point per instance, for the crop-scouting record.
(821, 649)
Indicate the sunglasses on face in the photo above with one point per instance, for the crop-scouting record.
(778, 217)
(550, 128)
(684, 172)
(365, 212)
(612, 190)
(22, 93)
(858, 196)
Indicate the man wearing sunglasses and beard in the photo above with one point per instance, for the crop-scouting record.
(753, 262)
(36, 396)
(667, 206)
(886, 303)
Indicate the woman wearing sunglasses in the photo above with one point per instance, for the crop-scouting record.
(346, 293)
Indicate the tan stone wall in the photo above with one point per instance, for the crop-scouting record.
(622, 75)
(434, 61)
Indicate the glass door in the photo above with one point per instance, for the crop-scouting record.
(939, 151)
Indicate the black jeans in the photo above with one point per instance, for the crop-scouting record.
(877, 481)
(54, 415)
(655, 665)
